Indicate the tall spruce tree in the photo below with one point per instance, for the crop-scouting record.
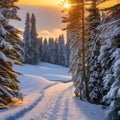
(109, 58)
(26, 39)
(75, 25)
(56, 51)
(61, 51)
(51, 49)
(94, 70)
(45, 51)
(67, 50)
(40, 48)
(10, 53)
(34, 53)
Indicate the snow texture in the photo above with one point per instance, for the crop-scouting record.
(49, 100)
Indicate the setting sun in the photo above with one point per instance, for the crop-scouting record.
(67, 5)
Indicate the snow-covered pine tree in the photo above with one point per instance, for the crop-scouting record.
(74, 19)
(10, 53)
(45, 51)
(51, 49)
(110, 61)
(34, 53)
(67, 49)
(26, 39)
(93, 20)
(61, 51)
(40, 48)
(56, 51)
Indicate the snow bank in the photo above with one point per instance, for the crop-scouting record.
(47, 71)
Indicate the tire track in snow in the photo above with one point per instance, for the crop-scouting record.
(21, 113)
(49, 107)
(64, 110)
(60, 110)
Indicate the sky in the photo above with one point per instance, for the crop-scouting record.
(108, 3)
(47, 13)
(48, 16)
(40, 2)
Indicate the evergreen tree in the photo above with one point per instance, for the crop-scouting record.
(61, 51)
(75, 25)
(56, 51)
(10, 53)
(51, 49)
(109, 58)
(40, 48)
(67, 48)
(94, 70)
(45, 51)
(26, 36)
(34, 53)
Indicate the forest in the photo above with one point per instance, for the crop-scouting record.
(94, 52)
(91, 51)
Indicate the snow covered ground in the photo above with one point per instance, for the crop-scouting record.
(47, 71)
(46, 98)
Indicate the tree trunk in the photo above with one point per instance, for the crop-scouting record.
(83, 53)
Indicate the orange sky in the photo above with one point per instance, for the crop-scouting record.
(108, 3)
(40, 2)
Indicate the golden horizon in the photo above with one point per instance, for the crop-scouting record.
(40, 2)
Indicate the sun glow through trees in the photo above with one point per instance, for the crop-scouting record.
(67, 5)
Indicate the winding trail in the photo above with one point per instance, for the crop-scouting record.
(24, 111)
(56, 102)
(49, 100)
(53, 104)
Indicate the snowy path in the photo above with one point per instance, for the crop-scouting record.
(57, 103)
(25, 110)
(48, 100)
(51, 104)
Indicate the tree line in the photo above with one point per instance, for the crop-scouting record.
(37, 49)
(94, 53)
